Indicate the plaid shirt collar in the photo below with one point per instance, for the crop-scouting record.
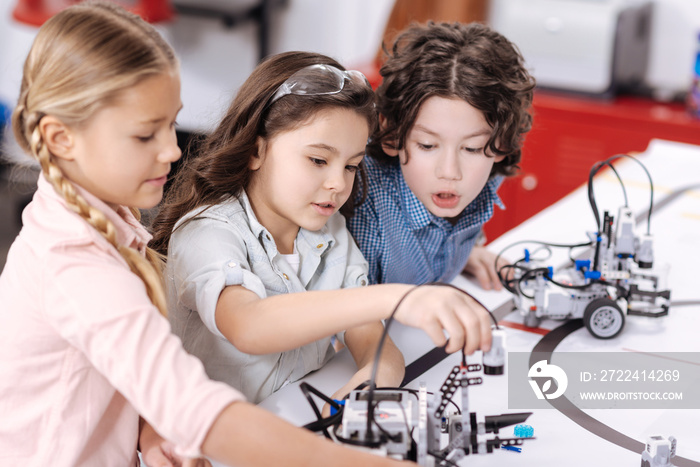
(416, 214)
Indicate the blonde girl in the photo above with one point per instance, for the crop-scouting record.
(83, 348)
(261, 269)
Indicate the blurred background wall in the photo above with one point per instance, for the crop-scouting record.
(216, 58)
(612, 74)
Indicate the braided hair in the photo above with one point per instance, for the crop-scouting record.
(80, 61)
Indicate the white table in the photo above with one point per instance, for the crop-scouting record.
(561, 441)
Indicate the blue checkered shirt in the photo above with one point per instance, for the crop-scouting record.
(402, 241)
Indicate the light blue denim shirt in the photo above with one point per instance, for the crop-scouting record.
(222, 245)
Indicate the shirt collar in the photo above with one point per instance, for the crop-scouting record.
(256, 227)
(481, 208)
(129, 231)
(417, 215)
(492, 190)
(318, 241)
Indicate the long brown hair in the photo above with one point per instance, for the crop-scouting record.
(221, 169)
(452, 60)
(80, 61)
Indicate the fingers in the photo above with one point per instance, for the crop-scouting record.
(440, 309)
(153, 459)
(158, 462)
(485, 329)
(475, 268)
(482, 266)
(434, 330)
(501, 265)
(326, 411)
(159, 455)
(493, 276)
(196, 463)
(474, 332)
(475, 327)
(480, 272)
(458, 327)
(163, 455)
(507, 272)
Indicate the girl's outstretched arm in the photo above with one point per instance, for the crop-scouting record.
(246, 435)
(288, 321)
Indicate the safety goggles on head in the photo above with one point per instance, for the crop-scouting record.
(315, 80)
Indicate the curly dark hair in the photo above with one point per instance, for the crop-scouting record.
(452, 60)
(221, 169)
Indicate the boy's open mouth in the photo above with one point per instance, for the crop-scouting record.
(445, 200)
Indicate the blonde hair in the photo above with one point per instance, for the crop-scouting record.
(80, 61)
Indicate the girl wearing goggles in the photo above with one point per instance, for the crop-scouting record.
(253, 220)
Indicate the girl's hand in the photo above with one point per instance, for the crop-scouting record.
(157, 452)
(482, 266)
(338, 395)
(435, 309)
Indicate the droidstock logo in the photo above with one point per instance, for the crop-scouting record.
(542, 369)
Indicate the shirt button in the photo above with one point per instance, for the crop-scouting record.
(232, 264)
(267, 236)
(363, 282)
(320, 245)
(285, 276)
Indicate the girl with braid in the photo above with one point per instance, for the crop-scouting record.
(88, 366)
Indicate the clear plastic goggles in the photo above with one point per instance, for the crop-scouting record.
(315, 80)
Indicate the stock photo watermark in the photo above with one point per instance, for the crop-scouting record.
(604, 380)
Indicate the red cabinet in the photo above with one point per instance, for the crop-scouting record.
(569, 135)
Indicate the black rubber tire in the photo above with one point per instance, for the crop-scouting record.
(603, 318)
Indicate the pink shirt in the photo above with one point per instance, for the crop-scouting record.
(83, 351)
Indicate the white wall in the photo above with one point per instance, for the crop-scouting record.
(215, 60)
(675, 29)
(675, 26)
